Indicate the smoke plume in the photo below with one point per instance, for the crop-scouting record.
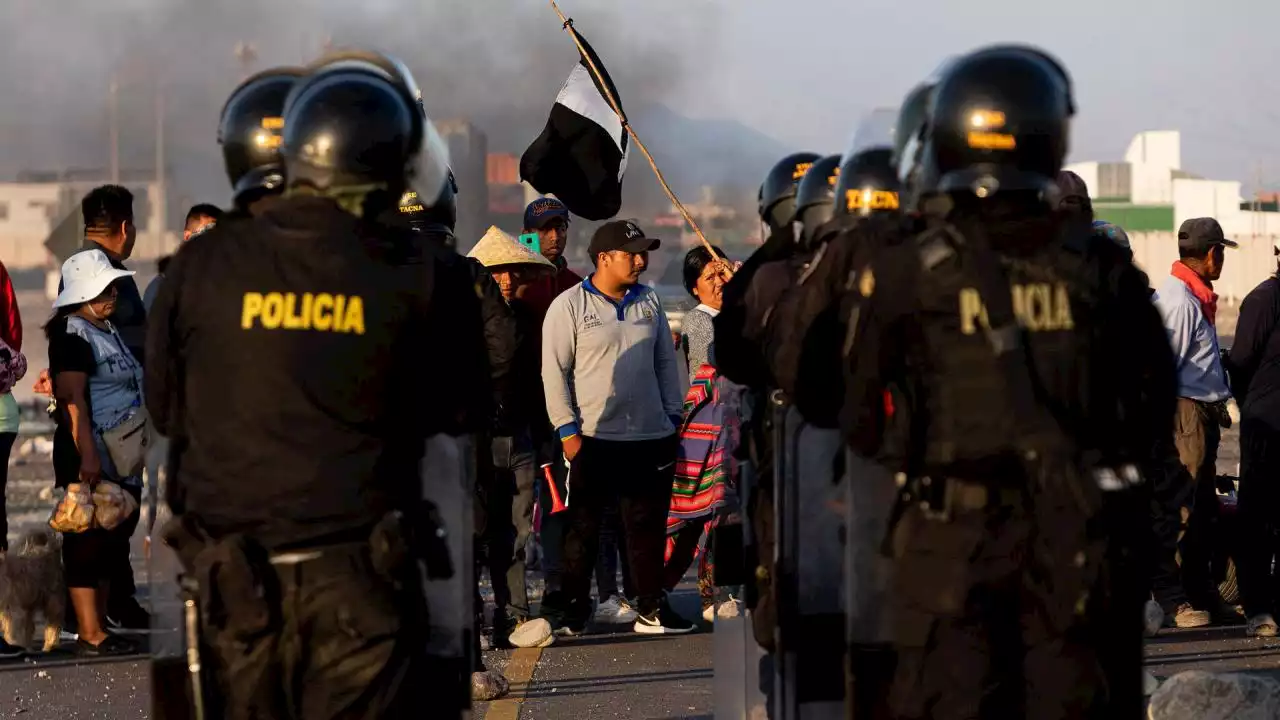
(497, 62)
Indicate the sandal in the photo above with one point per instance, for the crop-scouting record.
(110, 645)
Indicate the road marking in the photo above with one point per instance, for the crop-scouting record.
(519, 672)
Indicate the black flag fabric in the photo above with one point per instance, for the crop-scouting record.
(582, 152)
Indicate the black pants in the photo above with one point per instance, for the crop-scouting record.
(972, 638)
(1259, 517)
(613, 553)
(346, 644)
(122, 602)
(94, 556)
(6, 447)
(638, 475)
(1197, 435)
(1170, 489)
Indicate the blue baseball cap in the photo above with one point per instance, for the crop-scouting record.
(1112, 232)
(542, 211)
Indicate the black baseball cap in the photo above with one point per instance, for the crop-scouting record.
(1199, 235)
(621, 235)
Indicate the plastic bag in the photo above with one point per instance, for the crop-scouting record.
(74, 513)
(112, 505)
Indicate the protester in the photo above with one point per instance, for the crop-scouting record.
(108, 219)
(609, 372)
(549, 219)
(97, 384)
(1188, 307)
(199, 219)
(507, 499)
(1254, 368)
(701, 465)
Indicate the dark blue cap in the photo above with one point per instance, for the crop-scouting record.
(542, 211)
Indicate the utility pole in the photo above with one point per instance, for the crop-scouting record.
(114, 122)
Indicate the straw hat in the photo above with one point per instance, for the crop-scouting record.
(498, 248)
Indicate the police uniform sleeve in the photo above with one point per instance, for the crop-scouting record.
(876, 347)
(737, 357)
(460, 369)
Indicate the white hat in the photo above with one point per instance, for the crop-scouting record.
(85, 275)
(498, 248)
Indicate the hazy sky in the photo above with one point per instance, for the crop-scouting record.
(802, 71)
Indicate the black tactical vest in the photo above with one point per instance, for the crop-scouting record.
(968, 405)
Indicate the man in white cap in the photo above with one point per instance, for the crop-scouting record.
(506, 499)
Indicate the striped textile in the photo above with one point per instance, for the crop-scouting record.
(701, 464)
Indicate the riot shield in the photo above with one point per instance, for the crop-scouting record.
(809, 668)
(875, 131)
(448, 482)
(870, 492)
(736, 655)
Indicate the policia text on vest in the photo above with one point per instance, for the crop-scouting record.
(1039, 307)
(303, 311)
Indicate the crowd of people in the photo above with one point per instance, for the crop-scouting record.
(945, 300)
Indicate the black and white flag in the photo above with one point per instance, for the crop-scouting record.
(582, 152)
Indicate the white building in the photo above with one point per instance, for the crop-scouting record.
(1150, 195)
(30, 211)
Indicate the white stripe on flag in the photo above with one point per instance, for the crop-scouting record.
(580, 95)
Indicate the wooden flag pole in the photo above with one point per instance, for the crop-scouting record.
(613, 104)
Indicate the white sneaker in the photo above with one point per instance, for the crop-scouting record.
(615, 611)
(532, 633)
(730, 608)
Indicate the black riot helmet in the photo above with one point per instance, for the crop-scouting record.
(435, 177)
(778, 193)
(868, 183)
(249, 131)
(350, 126)
(438, 215)
(815, 195)
(999, 121)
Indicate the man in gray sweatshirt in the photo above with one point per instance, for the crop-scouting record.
(613, 393)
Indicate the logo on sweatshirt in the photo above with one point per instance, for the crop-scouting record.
(590, 322)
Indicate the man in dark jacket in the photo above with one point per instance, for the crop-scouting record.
(549, 218)
(1254, 367)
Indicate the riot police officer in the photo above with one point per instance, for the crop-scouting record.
(249, 131)
(1036, 390)
(815, 200)
(301, 354)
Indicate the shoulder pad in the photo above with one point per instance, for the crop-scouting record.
(937, 245)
